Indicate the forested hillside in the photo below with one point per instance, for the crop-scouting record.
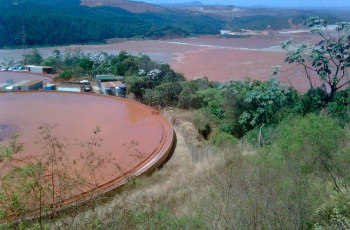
(61, 22)
(28, 23)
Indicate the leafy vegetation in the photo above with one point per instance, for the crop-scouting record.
(65, 22)
(259, 22)
(329, 58)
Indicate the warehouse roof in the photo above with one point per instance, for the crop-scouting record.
(36, 66)
(32, 82)
(109, 84)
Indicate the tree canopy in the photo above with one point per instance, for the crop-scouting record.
(36, 23)
(329, 58)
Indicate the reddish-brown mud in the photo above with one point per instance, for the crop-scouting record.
(134, 138)
(219, 59)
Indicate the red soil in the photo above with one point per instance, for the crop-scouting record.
(217, 58)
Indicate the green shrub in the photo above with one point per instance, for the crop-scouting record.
(67, 74)
(224, 139)
(312, 145)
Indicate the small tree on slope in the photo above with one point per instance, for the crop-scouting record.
(329, 58)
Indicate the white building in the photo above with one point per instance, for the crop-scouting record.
(39, 69)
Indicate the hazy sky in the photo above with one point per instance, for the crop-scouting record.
(285, 3)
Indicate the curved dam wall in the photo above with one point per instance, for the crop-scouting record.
(131, 139)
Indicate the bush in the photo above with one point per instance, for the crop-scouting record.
(312, 145)
(67, 74)
(203, 121)
(224, 139)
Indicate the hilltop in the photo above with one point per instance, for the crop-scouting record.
(30, 23)
(38, 23)
(131, 6)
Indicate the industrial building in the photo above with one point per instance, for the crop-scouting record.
(105, 78)
(114, 88)
(111, 85)
(71, 88)
(85, 83)
(32, 85)
(39, 69)
(25, 85)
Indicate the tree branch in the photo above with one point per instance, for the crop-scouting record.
(347, 82)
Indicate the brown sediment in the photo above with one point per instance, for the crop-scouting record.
(218, 59)
(7, 131)
(239, 65)
(135, 138)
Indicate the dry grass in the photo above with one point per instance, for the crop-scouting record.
(223, 188)
(177, 116)
(179, 185)
(199, 183)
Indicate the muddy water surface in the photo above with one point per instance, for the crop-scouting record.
(130, 132)
(219, 59)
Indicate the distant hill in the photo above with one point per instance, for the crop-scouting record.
(187, 4)
(131, 6)
(62, 22)
(259, 17)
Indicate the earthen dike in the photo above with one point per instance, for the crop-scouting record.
(133, 139)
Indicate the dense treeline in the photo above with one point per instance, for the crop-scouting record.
(33, 23)
(259, 22)
(61, 22)
(281, 20)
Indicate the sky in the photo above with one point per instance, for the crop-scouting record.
(271, 3)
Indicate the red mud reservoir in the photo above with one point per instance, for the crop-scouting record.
(133, 138)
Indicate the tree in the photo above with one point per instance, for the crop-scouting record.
(167, 94)
(209, 116)
(251, 104)
(329, 58)
(146, 64)
(72, 57)
(138, 85)
(57, 54)
(188, 98)
(86, 64)
(33, 58)
(168, 75)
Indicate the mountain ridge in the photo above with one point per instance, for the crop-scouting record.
(131, 6)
